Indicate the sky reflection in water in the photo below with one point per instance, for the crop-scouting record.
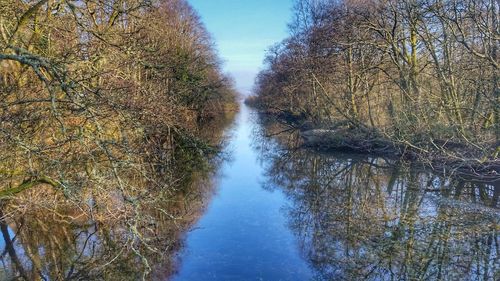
(285, 213)
(281, 212)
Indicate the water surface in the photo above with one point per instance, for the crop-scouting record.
(243, 234)
(284, 212)
(274, 211)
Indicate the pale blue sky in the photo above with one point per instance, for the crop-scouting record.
(243, 30)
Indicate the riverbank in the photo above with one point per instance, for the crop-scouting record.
(459, 158)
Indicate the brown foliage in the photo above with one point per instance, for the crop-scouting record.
(418, 72)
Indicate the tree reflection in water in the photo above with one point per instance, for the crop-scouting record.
(97, 235)
(370, 218)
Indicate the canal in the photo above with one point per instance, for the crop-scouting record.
(282, 212)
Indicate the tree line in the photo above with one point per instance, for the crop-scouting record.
(420, 73)
(124, 85)
(104, 107)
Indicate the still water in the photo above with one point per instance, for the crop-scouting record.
(273, 211)
(244, 234)
(286, 213)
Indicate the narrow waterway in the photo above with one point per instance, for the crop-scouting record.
(274, 211)
(243, 235)
(283, 212)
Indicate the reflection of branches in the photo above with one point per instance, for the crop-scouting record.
(97, 234)
(371, 218)
(81, 249)
(9, 248)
